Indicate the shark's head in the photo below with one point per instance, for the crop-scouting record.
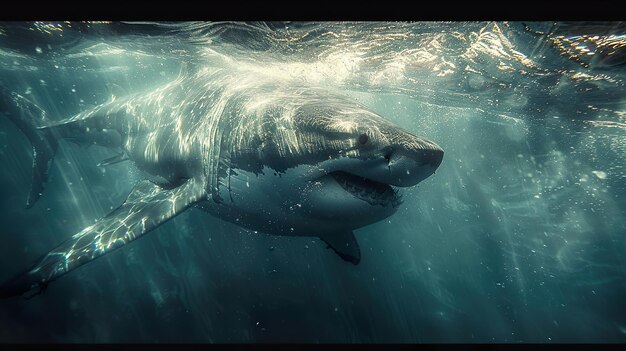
(321, 165)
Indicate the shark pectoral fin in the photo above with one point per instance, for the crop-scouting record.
(344, 244)
(146, 207)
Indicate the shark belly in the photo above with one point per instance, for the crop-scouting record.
(281, 203)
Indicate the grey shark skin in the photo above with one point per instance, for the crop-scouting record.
(278, 158)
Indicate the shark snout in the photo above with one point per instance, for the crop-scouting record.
(410, 158)
(401, 164)
(409, 167)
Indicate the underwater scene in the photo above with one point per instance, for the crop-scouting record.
(313, 182)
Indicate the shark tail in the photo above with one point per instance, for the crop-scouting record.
(25, 114)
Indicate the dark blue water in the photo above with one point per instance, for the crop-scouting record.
(518, 237)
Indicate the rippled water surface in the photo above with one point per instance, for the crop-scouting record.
(518, 237)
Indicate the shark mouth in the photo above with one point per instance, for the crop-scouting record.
(373, 192)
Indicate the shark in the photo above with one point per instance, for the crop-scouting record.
(275, 157)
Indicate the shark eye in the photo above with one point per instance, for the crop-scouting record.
(363, 138)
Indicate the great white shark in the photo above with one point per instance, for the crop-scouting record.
(283, 159)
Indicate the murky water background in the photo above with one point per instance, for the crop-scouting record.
(520, 235)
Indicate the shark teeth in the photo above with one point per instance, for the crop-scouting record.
(373, 192)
